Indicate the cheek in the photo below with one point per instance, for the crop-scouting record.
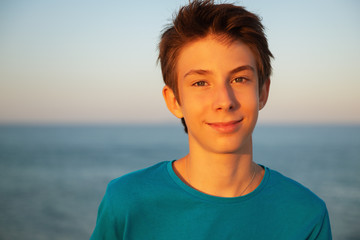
(194, 105)
(249, 99)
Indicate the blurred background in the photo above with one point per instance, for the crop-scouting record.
(81, 104)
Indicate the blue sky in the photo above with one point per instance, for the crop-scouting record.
(95, 61)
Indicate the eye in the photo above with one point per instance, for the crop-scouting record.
(199, 84)
(239, 80)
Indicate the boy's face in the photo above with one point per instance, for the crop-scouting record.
(219, 95)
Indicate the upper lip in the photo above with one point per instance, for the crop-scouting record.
(225, 123)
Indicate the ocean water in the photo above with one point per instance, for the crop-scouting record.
(52, 178)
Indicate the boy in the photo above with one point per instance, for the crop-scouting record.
(216, 66)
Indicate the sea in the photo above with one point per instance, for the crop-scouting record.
(53, 177)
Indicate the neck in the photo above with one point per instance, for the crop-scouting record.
(220, 176)
(223, 175)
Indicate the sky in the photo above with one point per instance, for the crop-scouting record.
(65, 61)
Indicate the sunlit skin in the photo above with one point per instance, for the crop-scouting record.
(220, 100)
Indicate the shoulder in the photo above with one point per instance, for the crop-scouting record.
(289, 191)
(130, 186)
(295, 207)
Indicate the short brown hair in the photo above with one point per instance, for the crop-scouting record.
(203, 17)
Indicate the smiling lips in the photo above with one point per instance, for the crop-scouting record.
(225, 127)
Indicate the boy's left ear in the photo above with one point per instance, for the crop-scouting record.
(264, 94)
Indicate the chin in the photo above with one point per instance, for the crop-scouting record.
(233, 147)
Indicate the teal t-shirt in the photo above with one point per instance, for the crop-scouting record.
(154, 203)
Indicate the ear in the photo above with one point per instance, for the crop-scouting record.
(171, 102)
(264, 94)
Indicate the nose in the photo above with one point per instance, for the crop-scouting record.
(224, 98)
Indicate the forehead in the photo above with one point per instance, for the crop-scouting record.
(214, 55)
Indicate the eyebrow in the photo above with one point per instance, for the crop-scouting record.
(242, 68)
(205, 72)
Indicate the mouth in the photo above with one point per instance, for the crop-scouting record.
(225, 127)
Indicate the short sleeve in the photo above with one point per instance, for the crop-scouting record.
(107, 227)
(322, 230)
